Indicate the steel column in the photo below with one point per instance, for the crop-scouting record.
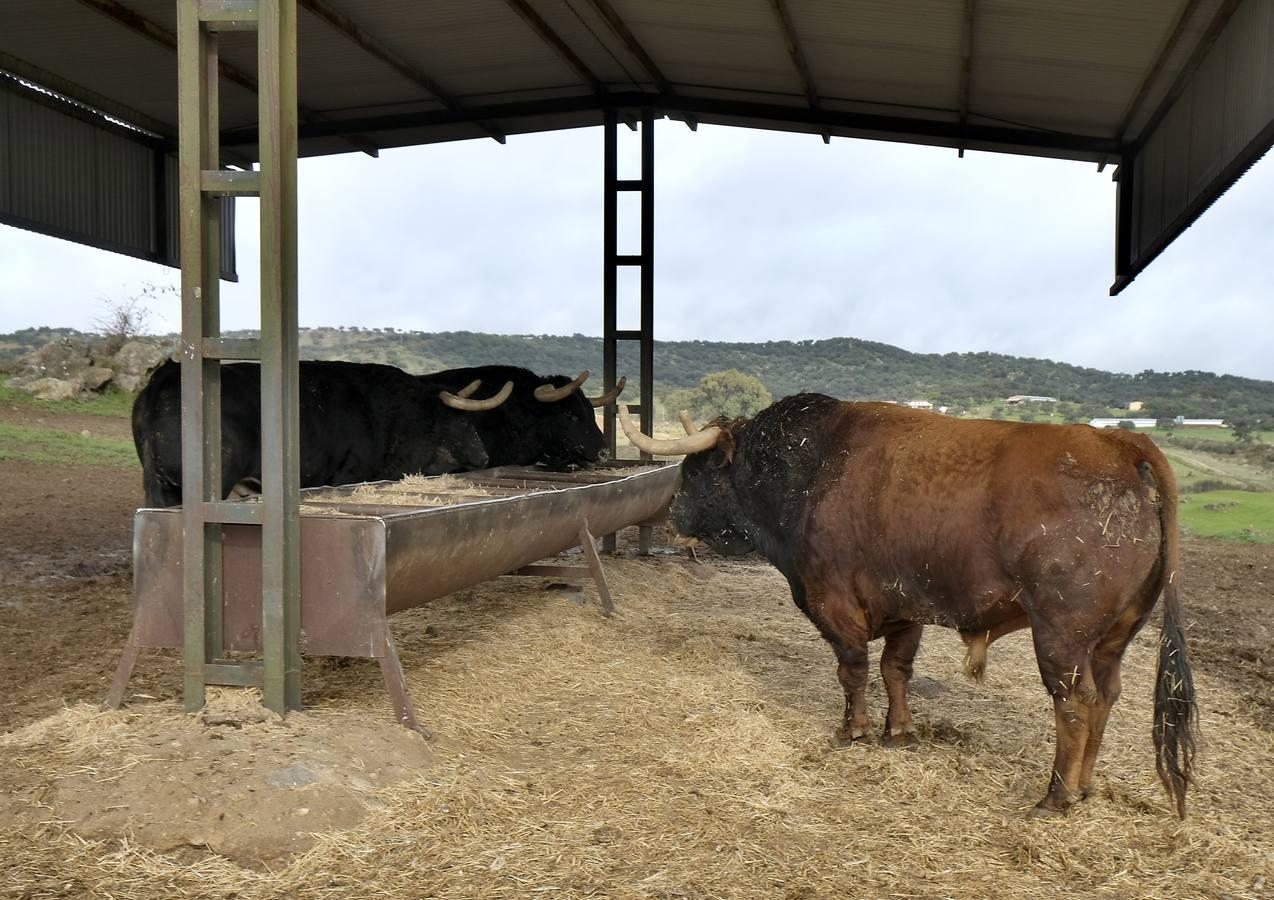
(610, 252)
(611, 262)
(202, 184)
(280, 419)
(647, 340)
(200, 377)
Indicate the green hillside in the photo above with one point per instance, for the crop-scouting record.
(844, 367)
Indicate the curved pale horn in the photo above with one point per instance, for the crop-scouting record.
(687, 422)
(546, 393)
(469, 389)
(691, 443)
(610, 396)
(457, 402)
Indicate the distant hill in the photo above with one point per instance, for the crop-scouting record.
(843, 367)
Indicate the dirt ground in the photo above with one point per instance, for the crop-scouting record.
(66, 582)
(65, 608)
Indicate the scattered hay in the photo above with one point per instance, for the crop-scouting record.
(681, 750)
(413, 490)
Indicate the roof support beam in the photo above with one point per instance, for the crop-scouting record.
(129, 18)
(934, 129)
(96, 108)
(81, 94)
(966, 63)
(554, 40)
(630, 42)
(1223, 14)
(1174, 37)
(798, 56)
(348, 27)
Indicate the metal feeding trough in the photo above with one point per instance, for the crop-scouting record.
(363, 561)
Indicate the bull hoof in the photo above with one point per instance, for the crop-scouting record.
(1085, 791)
(904, 741)
(847, 737)
(1046, 809)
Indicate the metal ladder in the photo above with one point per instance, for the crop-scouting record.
(204, 511)
(612, 262)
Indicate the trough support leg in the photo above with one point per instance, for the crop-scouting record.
(595, 566)
(123, 671)
(396, 684)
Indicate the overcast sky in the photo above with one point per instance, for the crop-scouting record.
(759, 236)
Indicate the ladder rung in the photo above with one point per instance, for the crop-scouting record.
(628, 184)
(628, 335)
(229, 15)
(244, 673)
(232, 348)
(628, 259)
(226, 182)
(233, 512)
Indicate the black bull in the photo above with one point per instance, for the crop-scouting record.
(358, 422)
(542, 421)
(884, 519)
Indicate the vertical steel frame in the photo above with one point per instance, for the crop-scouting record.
(200, 318)
(612, 260)
(202, 184)
(280, 416)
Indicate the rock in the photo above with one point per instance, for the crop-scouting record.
(63, 359)
(293, 776)
(139, 358)
(86, 433)
(926, 687)
(50, 388)
(94, 378)
(126, 382)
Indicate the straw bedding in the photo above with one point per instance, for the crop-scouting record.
(679, 750)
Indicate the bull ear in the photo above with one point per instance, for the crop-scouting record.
(725, 443)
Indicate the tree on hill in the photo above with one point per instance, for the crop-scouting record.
(730, 393)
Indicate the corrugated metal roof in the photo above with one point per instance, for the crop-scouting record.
(1097, 80)
(1073, 66)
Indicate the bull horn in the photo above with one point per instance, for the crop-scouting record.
(687, 422)
(546, 393)
(691, 443)
(467, 392)
(459, 401)
(610, 396)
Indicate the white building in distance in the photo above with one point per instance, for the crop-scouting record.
(1114, 423)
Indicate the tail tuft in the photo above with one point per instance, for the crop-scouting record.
(1176, 713)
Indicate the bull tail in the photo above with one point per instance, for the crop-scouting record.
(1176, 713)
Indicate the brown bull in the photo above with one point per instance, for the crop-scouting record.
(885, 519)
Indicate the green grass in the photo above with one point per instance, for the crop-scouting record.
(1219, 435)
(112, 403)
(1230, 515)
(45, 445)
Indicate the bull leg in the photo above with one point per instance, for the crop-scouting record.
(852, 672)
(1107, 681)
(842, 622)
(1068, 676)
(896, 663)
(1107, 660)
